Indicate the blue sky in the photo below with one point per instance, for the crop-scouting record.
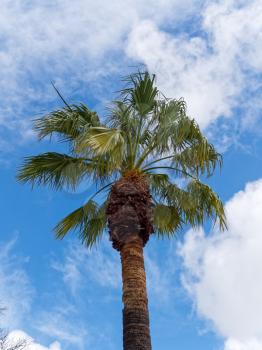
(204, 287)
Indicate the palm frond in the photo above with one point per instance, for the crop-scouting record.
(68, 122)
(101, 140)
(204, 204)
(198, 159)
(89, 220)
(55, 170)
(157, 181)
(174, 133)
(145, 139)
(167, 220)
(174, 128)
(121, 117)
(161, 127)
(103, 143)
(141, 93)
(195, 203)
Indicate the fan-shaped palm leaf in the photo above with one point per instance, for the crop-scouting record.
(89, 220)
(167, 220)
(68, 122)
(55, 170)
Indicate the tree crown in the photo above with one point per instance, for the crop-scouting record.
(144, 134)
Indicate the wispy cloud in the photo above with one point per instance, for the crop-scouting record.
(16, 290)
(161, 273)
(17, 296)
(214, 65)
(100, 265)
(71, 49)
(61, 323)
(212, 62)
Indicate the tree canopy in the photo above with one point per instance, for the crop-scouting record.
(145, 134)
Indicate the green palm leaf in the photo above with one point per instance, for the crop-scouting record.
(89, 220)
(204, 203)
(142, 92)
(68, 122)
(54, 169)
(167, 220)
(198, 159)
(195, 203)
(101, 140)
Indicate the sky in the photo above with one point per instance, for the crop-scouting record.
(204, 286)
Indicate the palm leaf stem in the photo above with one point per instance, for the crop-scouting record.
(100, 190)
(60, 95)
(158, 160)
(146, 152)
(131, 153)
(171, 168)
(137, 140)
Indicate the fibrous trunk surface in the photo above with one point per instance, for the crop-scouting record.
(129, 214)
(136, 331)
(129, 211)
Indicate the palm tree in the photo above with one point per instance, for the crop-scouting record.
(147, 158)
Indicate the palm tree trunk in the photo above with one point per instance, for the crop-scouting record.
(130, 217)
(136, 331)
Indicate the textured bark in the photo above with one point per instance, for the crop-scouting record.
(129, 214)
(136, 331)
(129, 211)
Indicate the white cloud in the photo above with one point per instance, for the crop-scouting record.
(211, 70)
(64, 41)
(223, 271)
(18, 335)
(16, 291)
(252, 344)
(86, 42)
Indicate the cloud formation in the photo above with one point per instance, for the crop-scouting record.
(78, 272)
(233, 344)
(200, 50)
(61, 323)
(213, 66)
(78, 266)
(16, 291)
(17, 296)
(18, 335)
(223, 271)
(64, 41)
